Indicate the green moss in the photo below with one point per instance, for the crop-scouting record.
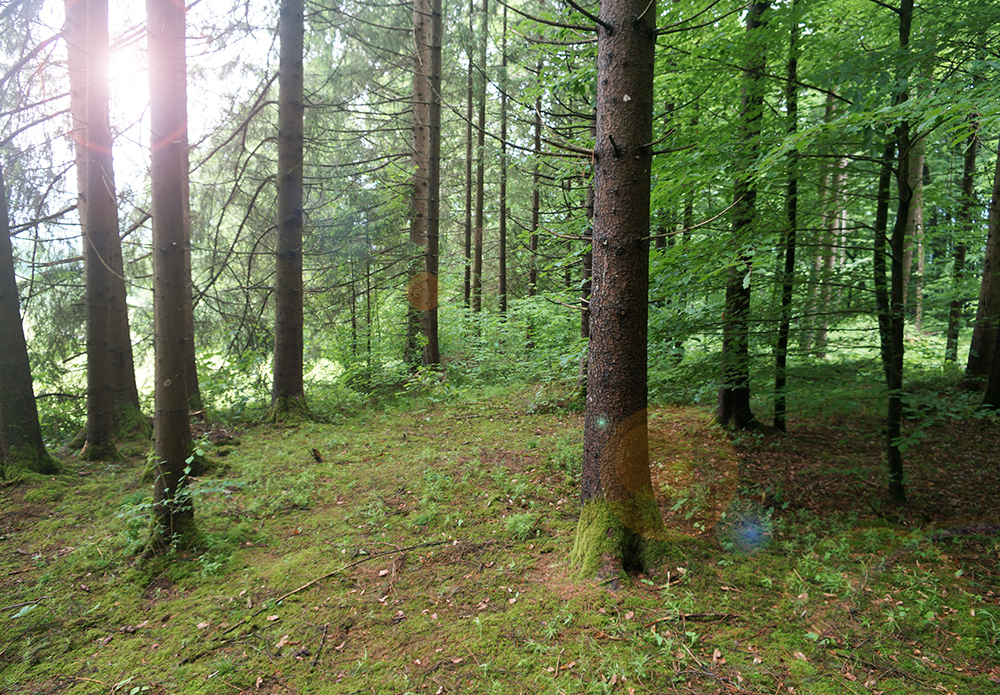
(20, 462)
(614, 537)
(288, 410)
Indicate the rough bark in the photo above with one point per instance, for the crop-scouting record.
(423, 291)
(287, 389)
(120, 368)
(100, 237)
(620, 518)
(173, 511)
(733, 408)
(21, 447)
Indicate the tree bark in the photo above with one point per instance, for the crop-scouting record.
(733, 407)
(965, 222)
(984, 332)
(502, 231)
(173, 510)
(788, 242)
(477, 230)
(423, 291)
(100, 240)
(288, 390)
(620, 518)
(21, 447)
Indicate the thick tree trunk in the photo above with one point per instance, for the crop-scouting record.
(965, 223)
(100, 241)
(21, 447)
(733, 407)
(984, 332)
(173, 510)
(287, 390)
(423, 291)
(120, 369)
(620, 516)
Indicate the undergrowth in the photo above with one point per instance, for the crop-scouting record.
(423, 548)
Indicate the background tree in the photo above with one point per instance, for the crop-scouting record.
(21, 447)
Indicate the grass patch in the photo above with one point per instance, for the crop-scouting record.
(426, 549)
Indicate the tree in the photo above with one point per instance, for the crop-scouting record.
(287, 390)
(21, 447)
(173, 513)
(733, 407)
(619, 519)
(423, 293)
(982, 349)
(111, 388)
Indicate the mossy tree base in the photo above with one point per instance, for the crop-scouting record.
(613, 538)
(107, 452)
(131, 423)
(19, 462)
(288, 409)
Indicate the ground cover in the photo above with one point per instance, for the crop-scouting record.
(423, 548)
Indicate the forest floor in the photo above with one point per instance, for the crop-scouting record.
(423, 548)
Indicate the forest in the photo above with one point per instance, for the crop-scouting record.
(402, 346)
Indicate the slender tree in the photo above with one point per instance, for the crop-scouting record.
(477, 229)
(619, 519)
(21, 447)
(790, 235)
(287, 389)
(965, 221)
(173, 511)
(733, 407)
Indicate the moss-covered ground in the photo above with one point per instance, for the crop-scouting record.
(424, 548)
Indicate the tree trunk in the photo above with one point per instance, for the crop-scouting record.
(620, 517)
(984, 331)
(120, 367)
(100, 241)
(897, 297)
(882, 197)
(502, 231)
(173, 510)
(733, 408)
(469, 91)
(477, 231)
(287, 390)
(965, 223)
(788, 243)
(423, 292)
(21, 447)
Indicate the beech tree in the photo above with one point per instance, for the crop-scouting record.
(619, 519)
(733, 408)
(173, 511)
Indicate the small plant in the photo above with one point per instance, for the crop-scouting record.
(521, 526)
